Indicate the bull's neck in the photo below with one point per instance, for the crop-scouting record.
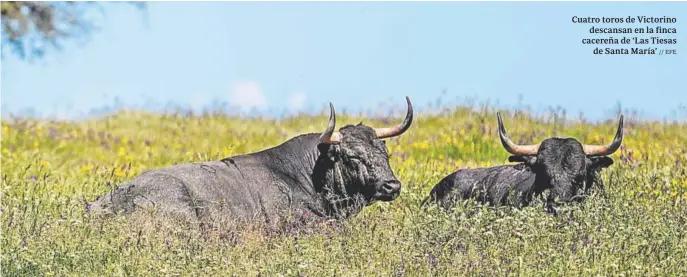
(326, 191)
(304, 165)
(319, 180)
(302, 154)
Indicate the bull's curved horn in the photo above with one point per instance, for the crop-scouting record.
(520, 150)
(330, 136)
(399, 129)
(603, 150)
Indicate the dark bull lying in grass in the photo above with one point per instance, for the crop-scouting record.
(328, 175)
(563, 166)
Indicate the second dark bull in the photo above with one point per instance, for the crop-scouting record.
(563, 166)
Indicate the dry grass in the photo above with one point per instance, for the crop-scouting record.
(50, 168)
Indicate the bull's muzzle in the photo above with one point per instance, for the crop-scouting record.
(389, 190)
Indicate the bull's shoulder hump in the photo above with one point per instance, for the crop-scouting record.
(479, 173)
(302, 140)
(518, 168)
(470, 171)
(514, 172)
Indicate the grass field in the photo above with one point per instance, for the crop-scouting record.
(49, 170)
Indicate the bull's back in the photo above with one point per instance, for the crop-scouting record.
(460, 183)
(192, 190)
(508, 185)
(485, 184)
(215, 188)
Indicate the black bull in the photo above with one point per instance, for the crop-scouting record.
(333, 174)
(563, 166)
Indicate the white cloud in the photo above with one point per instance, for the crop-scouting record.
(296, 101)
(247, 95)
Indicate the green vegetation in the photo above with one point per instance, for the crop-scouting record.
(49, 170)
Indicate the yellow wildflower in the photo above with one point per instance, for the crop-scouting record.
(119, 172)
(87, 167)
(423, 145)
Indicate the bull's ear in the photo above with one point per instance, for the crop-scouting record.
(600, 162)
(324, 147)
(516, 159)
(329, 150)
(529, 160)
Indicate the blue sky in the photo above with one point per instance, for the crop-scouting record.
(299, 56)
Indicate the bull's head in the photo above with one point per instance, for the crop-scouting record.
(563, 164)
(361, 159)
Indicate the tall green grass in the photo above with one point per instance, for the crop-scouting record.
(50, 169)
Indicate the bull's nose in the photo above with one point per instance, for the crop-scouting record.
(392, 186)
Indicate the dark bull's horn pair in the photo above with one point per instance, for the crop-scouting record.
(589, 150)
(331, 136)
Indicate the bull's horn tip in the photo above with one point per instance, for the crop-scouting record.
(332, 112)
